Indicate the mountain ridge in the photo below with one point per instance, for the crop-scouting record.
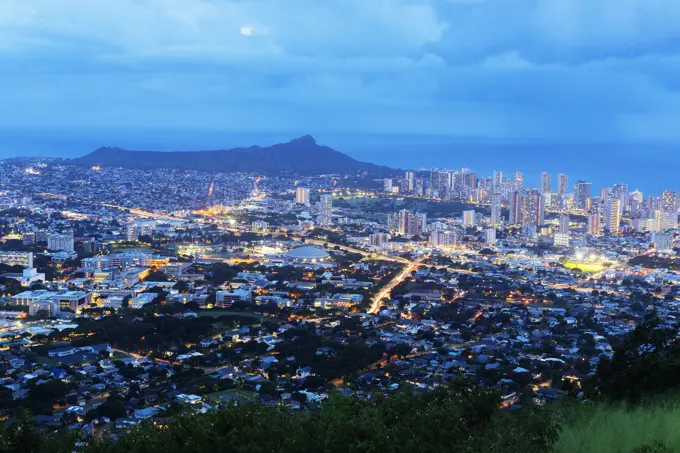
(299, 155)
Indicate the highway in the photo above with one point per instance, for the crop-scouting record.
(385, 291)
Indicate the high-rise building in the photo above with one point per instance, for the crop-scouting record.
(378, 239)
(656, 222)
(302, 196)
(459, 188)
(469, 184)
(545, 182)
(562, 184)
(515, 217)
(490, 236)
(484, 189)
(325, 209)
(496, 219)
(564, 224)
(669, 220)
(387, 185)
(552, 200)
(620, 192)
(131, 233)
(594, 226)
(497, 180)
(420, 187)
(581, 194)
(469, 218)
(407, 223)
(410, 181)
(518, 181)
(533, 208)
(441, 182)
(669, 201)
(635, 195)
(612, 219)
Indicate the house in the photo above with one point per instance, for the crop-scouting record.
(62, 352)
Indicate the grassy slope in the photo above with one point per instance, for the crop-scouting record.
(604, 429)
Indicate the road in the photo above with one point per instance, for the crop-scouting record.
(398, 279)
(382, 256)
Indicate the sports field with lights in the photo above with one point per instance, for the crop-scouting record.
(586, 267)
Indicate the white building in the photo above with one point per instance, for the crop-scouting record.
(442, 238)
(469, 218)
(72, 300)
(260, 226)
(490, 236)
(60, 242)
(111, 302)
(561, 239)
(387, 185)
(142, 299)
(325, 210)
(226, 298)
(612, 212)
(663, 242)
(25, 298)
(28, 276)
(496, 219)
(49, 306)
(302, 196)
(10, 258)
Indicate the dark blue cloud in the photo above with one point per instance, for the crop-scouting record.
(565, 69)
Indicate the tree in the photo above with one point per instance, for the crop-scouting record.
(647, 362)
(267, 388)
(314, 382)
(113, 408)
(48, 392)
(402, 350)
(157, 276)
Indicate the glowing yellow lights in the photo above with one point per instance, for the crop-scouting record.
(32, 171)
(96, 168)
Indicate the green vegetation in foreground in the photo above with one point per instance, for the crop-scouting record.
(633, 407)
(449, 419)
(602, 428)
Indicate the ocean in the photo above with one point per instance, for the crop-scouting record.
(648, 167)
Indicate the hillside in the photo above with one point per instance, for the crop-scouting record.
(302, 155)
(630, 404)
(447, 420)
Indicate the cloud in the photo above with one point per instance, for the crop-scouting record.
(521, 68)
(247, 30)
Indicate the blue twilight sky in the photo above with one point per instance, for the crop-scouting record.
(584, 70)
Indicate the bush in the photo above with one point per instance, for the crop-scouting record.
(444, 420)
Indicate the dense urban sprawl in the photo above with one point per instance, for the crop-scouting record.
(130, 295)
